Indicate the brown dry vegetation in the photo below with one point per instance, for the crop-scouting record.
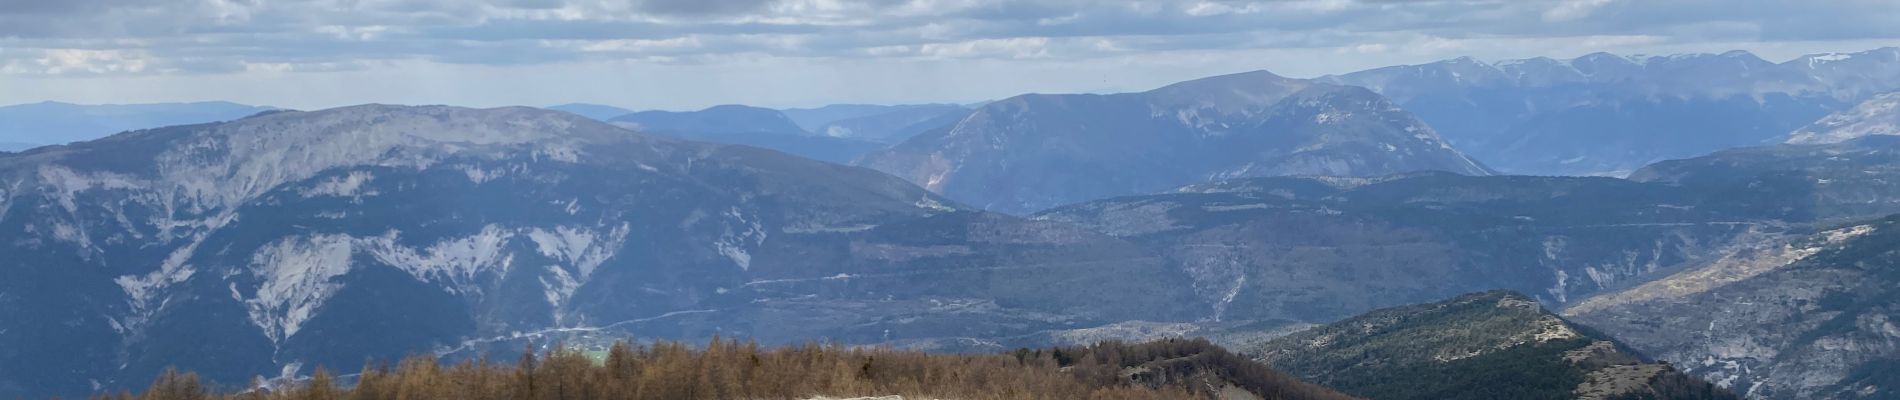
(726, 369)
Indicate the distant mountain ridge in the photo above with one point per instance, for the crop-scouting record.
(747, 125)
(595, 111)
(715, 119)
(48, 123)
(1036, 151)
(1604, 113)
(897, 125)
(815, 119)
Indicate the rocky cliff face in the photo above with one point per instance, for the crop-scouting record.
(1808, 317)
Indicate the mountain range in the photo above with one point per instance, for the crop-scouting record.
(271, 244)
(1245, 208)
(1609, 114)
(294, 239)
(1032, 152)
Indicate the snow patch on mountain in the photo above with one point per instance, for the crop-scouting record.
(455, 261)
(7, 191)
(142, 290)
(65, 184)
(350, 185)
(478, 175)
(742, 233)
(584, 249)
(558, 286)
(297, 276)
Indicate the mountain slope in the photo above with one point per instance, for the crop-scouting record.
(1803, 318)
(1852, 180)
(1037, 151)
(1877, 116)
(1609, 114)
(59, 123)
(1316, 250)
(1478, 346)
(276, 243)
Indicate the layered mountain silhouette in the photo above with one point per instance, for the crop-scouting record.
(1609, 114)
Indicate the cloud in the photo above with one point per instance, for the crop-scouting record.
(1573, 9)
(703, 7)
(218, 33)
(157, 38)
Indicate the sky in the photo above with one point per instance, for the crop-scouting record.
(688, 54)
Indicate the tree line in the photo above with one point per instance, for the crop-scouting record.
(731, 369)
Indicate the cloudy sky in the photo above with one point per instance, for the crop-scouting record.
(683, 54)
